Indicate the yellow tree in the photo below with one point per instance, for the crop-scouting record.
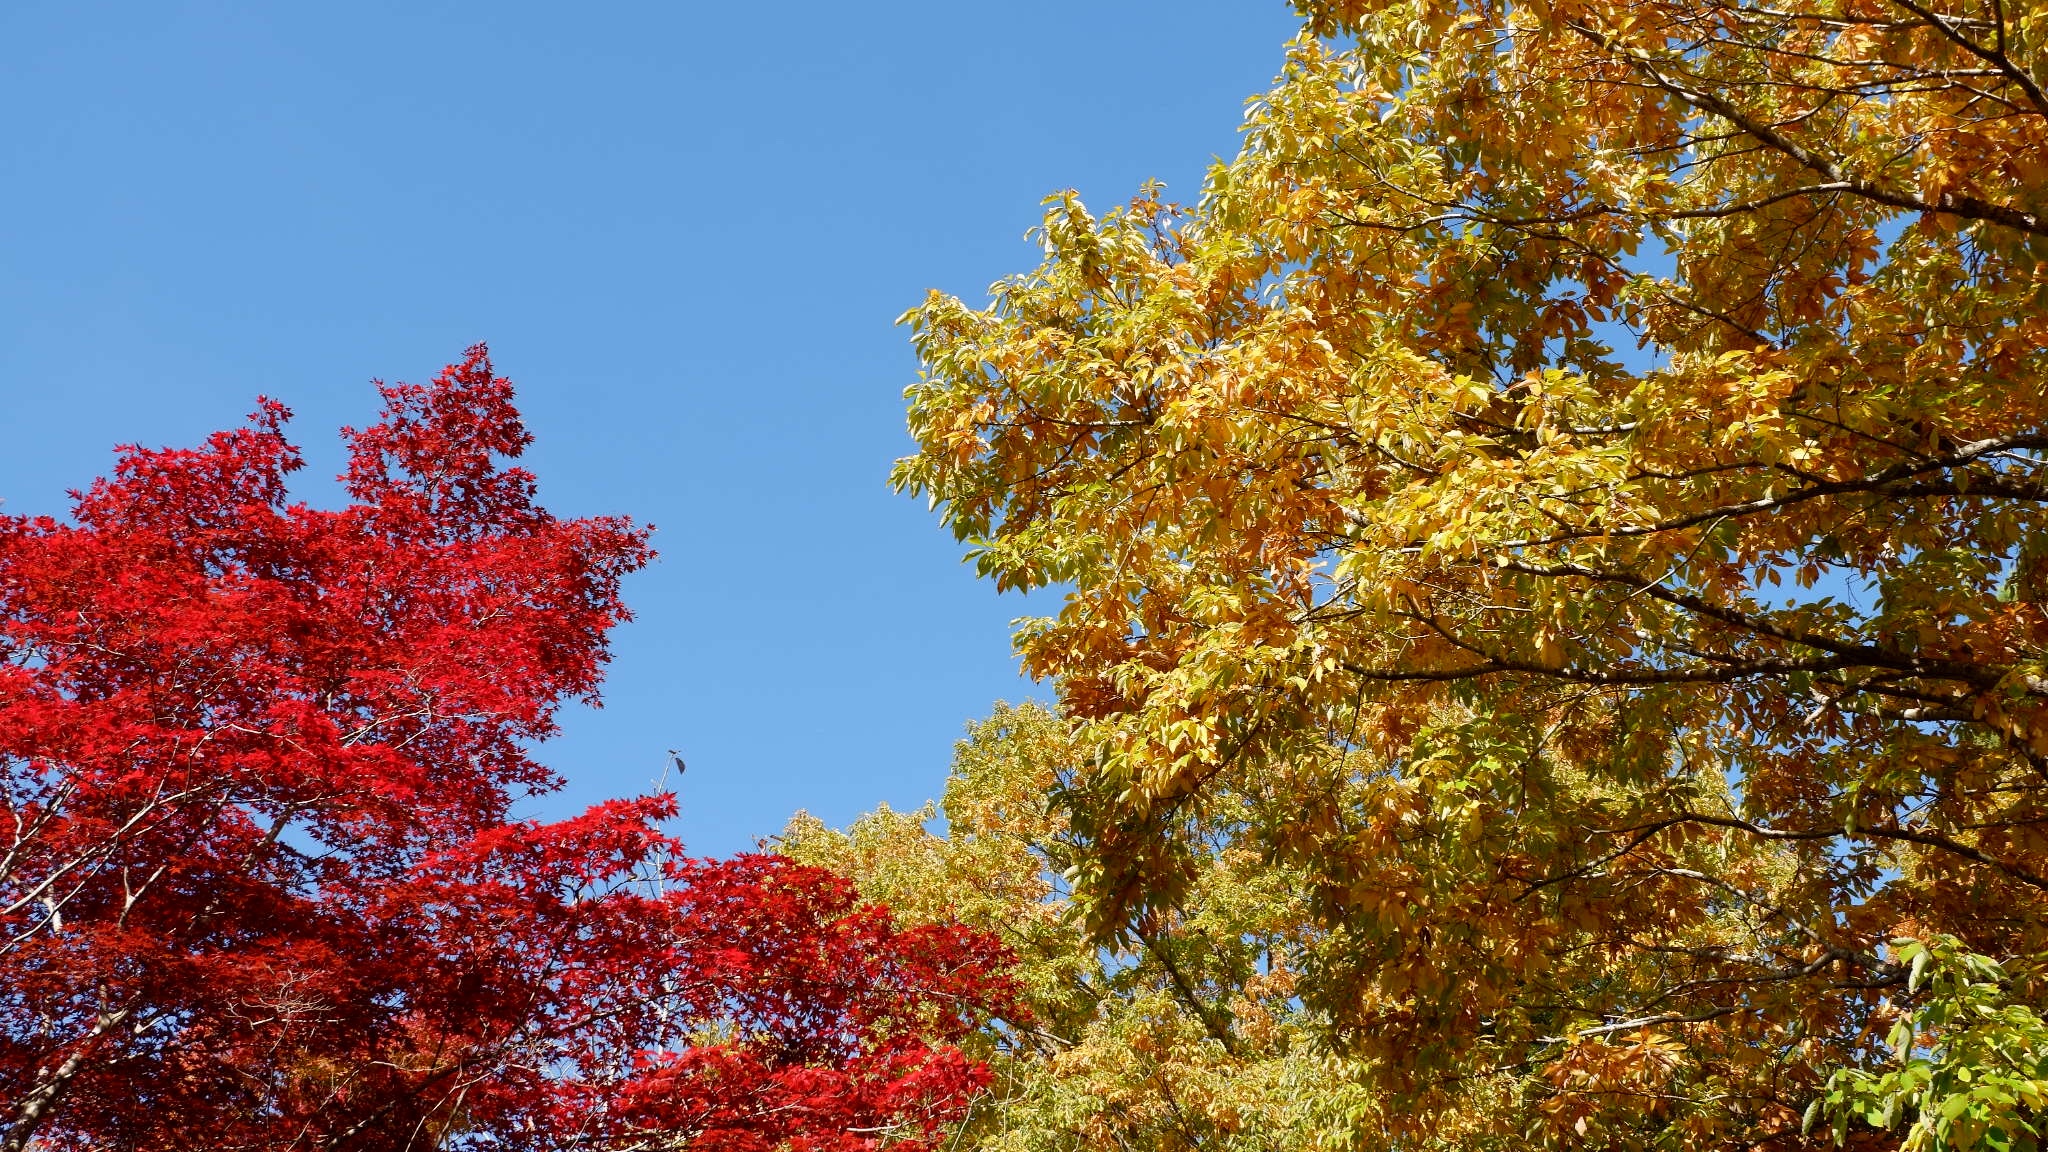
(1573, 488)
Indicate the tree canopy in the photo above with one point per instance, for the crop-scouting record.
(1185, 1035)
(1572, 490)
(259, 888)
(1554, 653)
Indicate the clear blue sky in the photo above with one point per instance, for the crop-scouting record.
(684, 229)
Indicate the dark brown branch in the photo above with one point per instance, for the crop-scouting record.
(1650, 677)
(1968, 207)
(1994, 57)
(1863, 654)
(1216, 1029)
(1876, 832)
(1875, 482)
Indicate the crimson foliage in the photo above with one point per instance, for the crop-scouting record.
(258, 887)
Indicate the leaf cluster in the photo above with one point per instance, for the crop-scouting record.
(1571, 489)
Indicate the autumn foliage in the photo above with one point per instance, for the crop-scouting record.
(1554, 653)
(1571, 490)
(258, 885)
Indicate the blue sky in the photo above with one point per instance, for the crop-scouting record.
(685, 231)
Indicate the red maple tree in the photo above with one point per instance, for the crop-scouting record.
(258, 887)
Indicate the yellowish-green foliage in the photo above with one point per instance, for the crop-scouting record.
(1569, 498)
(1184, 1035)
(996, 867)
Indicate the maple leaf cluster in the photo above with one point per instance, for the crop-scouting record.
(258, 884)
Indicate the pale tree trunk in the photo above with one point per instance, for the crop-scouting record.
(42, 1100)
